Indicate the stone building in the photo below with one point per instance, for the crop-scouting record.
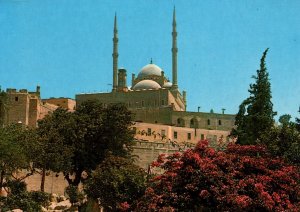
(26, 107)
(66, 103)
(155, 100)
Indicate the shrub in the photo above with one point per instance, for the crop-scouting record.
(20, 198)
(241, 178)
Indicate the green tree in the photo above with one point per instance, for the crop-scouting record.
(89, 134)
(255, 116)
(51, 151)
(13, 156)
(99, 130)
(117, 183)
(298, 122)
(284, 140)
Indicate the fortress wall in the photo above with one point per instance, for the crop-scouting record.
(146, 152)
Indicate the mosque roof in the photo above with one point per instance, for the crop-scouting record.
(146, 84)
(167, 85)
(150, 69)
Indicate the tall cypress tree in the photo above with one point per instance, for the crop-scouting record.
(298, 122)
(256, 116)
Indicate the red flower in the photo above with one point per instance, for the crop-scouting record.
(204, 194)
(124, 206)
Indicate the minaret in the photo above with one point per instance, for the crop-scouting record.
(115, 55)
(174, 53)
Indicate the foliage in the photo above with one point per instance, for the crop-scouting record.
(53, 152)
(99, 130)
(298, 122)
(50, 149)
(13, 155)
(40, 197)
(284, 140)
(20, 198)
(16, 186)
(241, 178)
(77, 142)
(117, 183)
(74, 194)
(255, 114)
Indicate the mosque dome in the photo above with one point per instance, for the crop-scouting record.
(148, 70)
(167, 85)
(146, 84)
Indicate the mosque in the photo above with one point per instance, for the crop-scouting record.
(158, 105)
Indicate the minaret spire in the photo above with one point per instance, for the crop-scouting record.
(115, 55)
(174, 52)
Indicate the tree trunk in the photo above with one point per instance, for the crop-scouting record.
(1, 179)
(43, 179)
(76, 180)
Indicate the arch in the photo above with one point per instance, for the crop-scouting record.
(194, 123)
(180, 122)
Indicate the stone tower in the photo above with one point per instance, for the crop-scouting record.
(174, 53)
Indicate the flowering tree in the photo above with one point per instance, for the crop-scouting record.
(240, 178)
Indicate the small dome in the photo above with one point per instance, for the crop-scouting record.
(148, 70)
(167, 85)
(146, 84)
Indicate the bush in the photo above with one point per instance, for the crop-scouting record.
(42, 198)
(16, 187)
(20, 198)
(74, 194)
(241, 178)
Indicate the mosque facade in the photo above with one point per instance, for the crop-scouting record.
(157, 102)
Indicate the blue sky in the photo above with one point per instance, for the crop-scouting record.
(65, 46)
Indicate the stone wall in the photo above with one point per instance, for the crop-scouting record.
(146, 152)
(163, 133)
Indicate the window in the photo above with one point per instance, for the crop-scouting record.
(220, 122)
(180, 122)
(189, 136)
(175, 135)
(149, 131)
(208, 121)
(163, 132)
(194, 123)
(16, 98)
(202, 136)
(162, 102)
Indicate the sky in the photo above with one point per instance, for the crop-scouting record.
(65, 46)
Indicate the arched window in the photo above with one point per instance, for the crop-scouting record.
(180, 122)
(208, 121)
(193, 123)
